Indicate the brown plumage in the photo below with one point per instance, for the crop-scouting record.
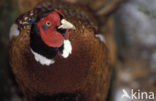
(83, 76)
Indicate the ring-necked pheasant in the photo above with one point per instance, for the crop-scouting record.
(56, 55)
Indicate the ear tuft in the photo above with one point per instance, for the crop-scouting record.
(32, 21)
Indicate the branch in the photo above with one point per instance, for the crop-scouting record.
(110, 8)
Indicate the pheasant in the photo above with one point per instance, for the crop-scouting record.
(56, 55)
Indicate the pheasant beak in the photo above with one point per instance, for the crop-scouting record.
(66, 25)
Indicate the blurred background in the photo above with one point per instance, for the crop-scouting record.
(131, 38)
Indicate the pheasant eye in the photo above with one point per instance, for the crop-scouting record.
(48, 23)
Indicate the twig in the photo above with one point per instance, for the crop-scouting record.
(110, 8)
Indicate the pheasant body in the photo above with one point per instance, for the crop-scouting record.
(84, 75)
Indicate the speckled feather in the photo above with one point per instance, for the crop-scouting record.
(85, 72)
(79, 12)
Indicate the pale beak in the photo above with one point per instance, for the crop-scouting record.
(66, 25)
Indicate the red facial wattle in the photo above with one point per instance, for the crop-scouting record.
(50, 36)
